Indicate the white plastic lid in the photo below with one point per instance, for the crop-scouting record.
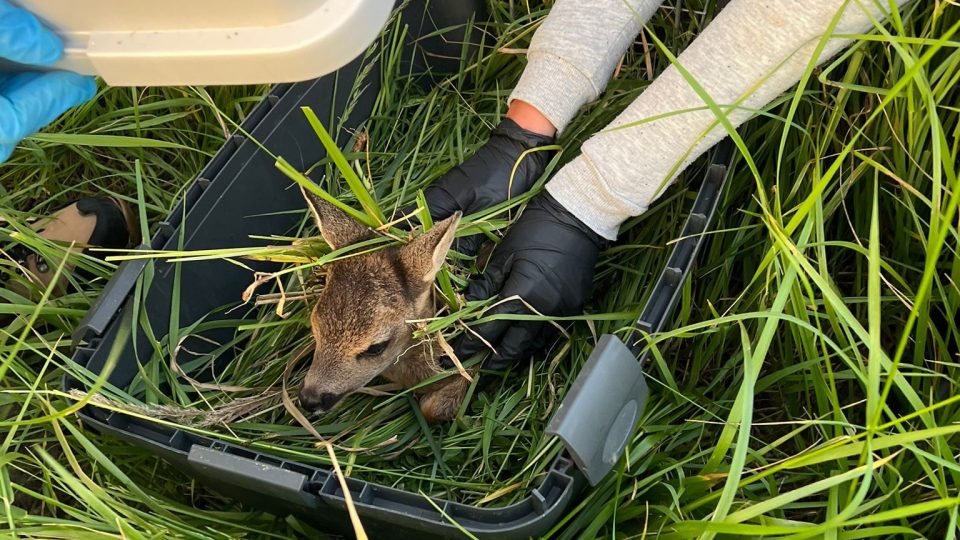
(208, 42)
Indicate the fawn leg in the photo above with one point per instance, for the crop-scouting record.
(442, 400)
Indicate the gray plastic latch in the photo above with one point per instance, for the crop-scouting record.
(265, 478)
(114, 295)
(597, 417)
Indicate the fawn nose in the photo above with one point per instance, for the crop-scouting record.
(318, 401)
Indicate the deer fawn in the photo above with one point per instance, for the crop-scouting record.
(360, 319)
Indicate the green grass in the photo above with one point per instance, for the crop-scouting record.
(808, 389)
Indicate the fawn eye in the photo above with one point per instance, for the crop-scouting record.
(375, 350)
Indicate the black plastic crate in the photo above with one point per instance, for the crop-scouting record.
(240, 194)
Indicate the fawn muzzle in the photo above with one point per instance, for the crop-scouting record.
(318, 401)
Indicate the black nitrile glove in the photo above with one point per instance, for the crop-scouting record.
(483, 180)
(547, 258)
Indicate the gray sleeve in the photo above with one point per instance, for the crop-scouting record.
(574, 52)
(753, 51)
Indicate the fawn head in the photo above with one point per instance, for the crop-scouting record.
(360, 319)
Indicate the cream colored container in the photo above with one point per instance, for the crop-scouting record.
(204, 42)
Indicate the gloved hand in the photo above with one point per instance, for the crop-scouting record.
(30, 100)
(484, 179)
(547, 258)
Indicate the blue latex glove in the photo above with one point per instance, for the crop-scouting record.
(31, 100)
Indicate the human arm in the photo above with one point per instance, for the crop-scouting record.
(621, 171)
(570, 59)
(751, 53)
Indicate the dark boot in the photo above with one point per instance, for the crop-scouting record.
(88, 222)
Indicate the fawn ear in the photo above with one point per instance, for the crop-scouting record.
(424, 255)
(336, 227)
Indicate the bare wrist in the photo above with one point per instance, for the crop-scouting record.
(529, 118)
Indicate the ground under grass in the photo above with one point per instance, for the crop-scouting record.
(807, 391)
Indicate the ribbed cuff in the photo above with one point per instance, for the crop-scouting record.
(582, 191)
(554, 87)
